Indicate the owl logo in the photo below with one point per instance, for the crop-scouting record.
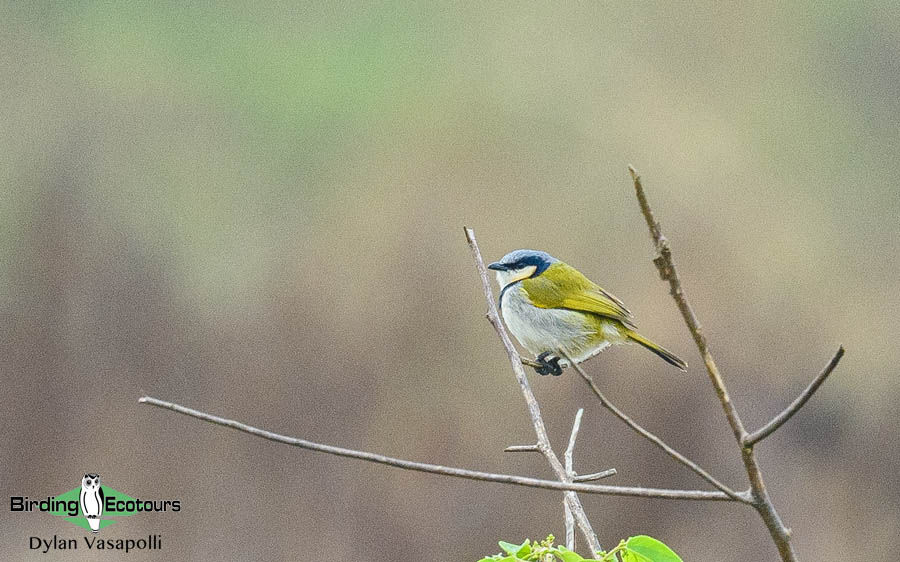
(92, 500)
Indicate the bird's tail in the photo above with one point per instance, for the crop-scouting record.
(667, 355)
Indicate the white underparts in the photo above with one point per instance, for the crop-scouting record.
(552, 329)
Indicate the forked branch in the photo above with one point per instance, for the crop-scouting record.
(761, 501)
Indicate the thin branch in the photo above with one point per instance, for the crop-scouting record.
(794, 406)
(594, 476)
(543, 440)
(435, 468)
(667, 272)
(522, 449)
(651, 437)
(763, 504)
(569, 457)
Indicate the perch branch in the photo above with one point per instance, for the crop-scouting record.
(778, 421)
(543, 440)
(653, 438)
(435, 468)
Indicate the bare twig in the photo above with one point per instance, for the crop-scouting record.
(763, 504)
(439, 469)
(594, 476)
(653, 438)
(543, 440)
(569, 457)
(778, 421)
(522, 449)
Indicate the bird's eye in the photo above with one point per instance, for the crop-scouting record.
(88, 482)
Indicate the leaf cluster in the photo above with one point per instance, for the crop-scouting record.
(640, 548)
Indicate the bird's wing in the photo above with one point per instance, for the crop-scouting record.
(563, 286)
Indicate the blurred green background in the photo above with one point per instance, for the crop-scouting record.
(257, 209)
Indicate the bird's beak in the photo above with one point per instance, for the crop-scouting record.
(498, 266)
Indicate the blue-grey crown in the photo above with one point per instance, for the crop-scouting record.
(517, 259)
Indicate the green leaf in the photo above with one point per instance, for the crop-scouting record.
(519, 550)
(567, 555)
(647, 549)
(525, 550)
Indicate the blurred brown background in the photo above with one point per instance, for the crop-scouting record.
(257, 210)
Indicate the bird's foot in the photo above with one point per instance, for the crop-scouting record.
(549, 364)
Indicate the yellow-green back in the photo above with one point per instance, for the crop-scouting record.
(563, 286)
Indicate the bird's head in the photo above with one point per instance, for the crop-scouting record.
(521, 264)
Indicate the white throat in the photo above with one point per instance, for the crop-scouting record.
(504, 278)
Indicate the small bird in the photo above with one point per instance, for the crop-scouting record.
(550, 306)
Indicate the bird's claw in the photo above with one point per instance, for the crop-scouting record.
(549, 364)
